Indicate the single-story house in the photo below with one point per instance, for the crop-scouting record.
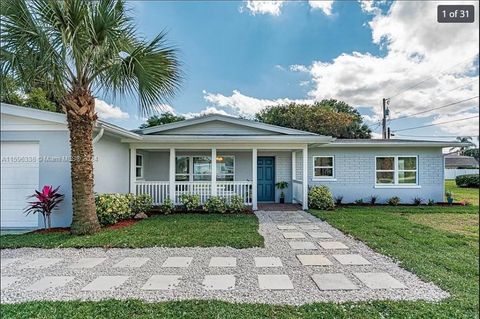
(457, 161)
(248, 158)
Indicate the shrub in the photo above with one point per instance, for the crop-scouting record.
(471, 180)
(167, 206)
(190, 202)
(45, 203)
(393, 201)
(373, 199)
(417, 201)
(140, 203)
(320, 197)
(112, 208)
(431, 202)
(236, 205)
(359, 201)
(216, 204)
(338, 200)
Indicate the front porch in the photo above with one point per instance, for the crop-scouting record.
(242, 171)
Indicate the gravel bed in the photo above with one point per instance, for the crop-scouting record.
(246, 287)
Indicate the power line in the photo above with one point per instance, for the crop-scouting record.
(415, 127)
(428, 78)
(439, 136)
(435, 108)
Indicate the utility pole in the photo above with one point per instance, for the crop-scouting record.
(384, 117)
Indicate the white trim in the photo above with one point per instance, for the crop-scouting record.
(241, 139)
(294, 165)
(392, 143)
(171, 174)
(213, 171)
(305, 177)
(326, 177)
(139, 166)
(254, 179)
(396, 171)
(133, 178)
(227, 119)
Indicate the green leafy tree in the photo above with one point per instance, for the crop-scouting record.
(463, 139)
(473, 152)
(10, 90)
(327, 117)
(37, 99)
(164, 118)
(74, 47)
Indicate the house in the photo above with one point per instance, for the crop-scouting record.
(456, 165)
(173, 159)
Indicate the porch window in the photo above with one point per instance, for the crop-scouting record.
(323, 167)
(139, 166)
(225, 168)
(202, 168)
(396, 170)
(182, 168)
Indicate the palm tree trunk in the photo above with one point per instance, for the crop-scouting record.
(80, 109)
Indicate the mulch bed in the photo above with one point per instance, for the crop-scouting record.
(123, 223)
(120, 224)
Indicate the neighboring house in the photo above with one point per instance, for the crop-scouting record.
(456, 165)
(173, 159)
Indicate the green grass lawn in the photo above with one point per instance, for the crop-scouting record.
(448, 258)
(177, 230)
(462, 194)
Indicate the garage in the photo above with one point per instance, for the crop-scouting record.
(19, 179)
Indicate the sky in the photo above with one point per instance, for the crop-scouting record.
(241, 56)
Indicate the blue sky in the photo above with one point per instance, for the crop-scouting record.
(239, 56)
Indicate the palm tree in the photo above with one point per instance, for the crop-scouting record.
(72, 48)
(461, 149)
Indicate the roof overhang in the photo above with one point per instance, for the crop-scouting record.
(391, 144)
(276, 139)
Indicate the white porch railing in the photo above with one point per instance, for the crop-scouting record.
(297, 191)
(159, 190)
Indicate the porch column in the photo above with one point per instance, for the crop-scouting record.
(171, 174)
(214, 171)
(305, 177)
(294, 174)
(254, 179)
(133, 169)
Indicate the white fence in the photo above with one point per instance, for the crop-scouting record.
(161, 190)
(298, 191)
(451, 173)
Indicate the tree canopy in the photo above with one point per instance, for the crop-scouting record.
(161, 119)
(327, 117)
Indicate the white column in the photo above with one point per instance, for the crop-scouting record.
(254, 179)
(171, 174)
(133, 169)
(294, 166)
(305, 177)
(214, 171)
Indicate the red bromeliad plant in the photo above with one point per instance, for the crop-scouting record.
(46, 202)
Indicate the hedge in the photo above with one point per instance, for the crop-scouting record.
(471, 180)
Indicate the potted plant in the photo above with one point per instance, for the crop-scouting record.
(281, 186)
(449, 196)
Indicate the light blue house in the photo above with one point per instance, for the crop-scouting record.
(211, 155)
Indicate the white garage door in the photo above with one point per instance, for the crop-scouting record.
(19, 179)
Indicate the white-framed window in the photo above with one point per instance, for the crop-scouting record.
(182, 168)
(225, 168)
(323, 167)
(396, 170)
(139, 166)
(202, 168)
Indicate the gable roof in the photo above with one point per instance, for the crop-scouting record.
(455, 160)
(226, 119)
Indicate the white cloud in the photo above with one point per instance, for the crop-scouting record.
(207, 111)
(165, 108)
(245, 105)
(324, 5)
(416, 49)
(108, 111)
(263, 7)
(370, 6)
(460, 128)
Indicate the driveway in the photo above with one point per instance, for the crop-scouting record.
(304, 260)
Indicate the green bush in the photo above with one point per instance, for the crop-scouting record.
(471, 180)
(393, 201)
(236, 205)
(190, 202)
(216, 204)
(167, 206)
(112, 208)
(140, 203)
(320, 197)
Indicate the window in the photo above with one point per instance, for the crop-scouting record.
(139, 166)
(202, 168)
(225, 168)
(323, 167)
(396, 170)
(182, 168)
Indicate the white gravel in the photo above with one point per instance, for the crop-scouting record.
(192, 277)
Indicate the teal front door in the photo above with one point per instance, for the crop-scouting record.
(266, 179)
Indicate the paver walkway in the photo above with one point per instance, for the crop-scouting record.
(304, 260)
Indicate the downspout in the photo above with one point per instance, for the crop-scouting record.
(99, 135)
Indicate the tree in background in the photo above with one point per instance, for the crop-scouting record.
(462, 149)
(164, 118)
(71, 48)
(327, 117)
(36, 98)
